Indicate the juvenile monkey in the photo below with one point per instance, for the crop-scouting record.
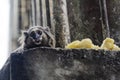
(37, 36)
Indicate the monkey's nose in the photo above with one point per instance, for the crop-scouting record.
(37, 36)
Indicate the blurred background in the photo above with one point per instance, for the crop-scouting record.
(4, 31)
(68, 20)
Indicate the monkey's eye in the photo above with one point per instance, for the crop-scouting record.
(39, 32)
(32, 34)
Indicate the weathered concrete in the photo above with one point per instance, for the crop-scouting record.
(60, 64)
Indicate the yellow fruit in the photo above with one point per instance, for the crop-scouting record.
(74, 44)
(108, 44)
(86, 43)
(116, 48)
(96, 47)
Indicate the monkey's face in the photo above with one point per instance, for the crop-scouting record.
(36, 37)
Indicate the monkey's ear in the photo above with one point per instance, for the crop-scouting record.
(47, 28)
(25, 33)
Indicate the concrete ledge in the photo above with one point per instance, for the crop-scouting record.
(60, 64)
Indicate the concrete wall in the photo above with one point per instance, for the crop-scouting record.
(61, 64)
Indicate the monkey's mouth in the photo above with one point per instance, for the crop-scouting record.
(37, 42)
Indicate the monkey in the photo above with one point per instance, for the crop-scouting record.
(36, 36)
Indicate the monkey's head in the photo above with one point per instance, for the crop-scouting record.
(38, 36)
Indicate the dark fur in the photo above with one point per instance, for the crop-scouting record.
(45, 39)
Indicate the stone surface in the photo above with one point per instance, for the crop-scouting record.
(61, 64)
